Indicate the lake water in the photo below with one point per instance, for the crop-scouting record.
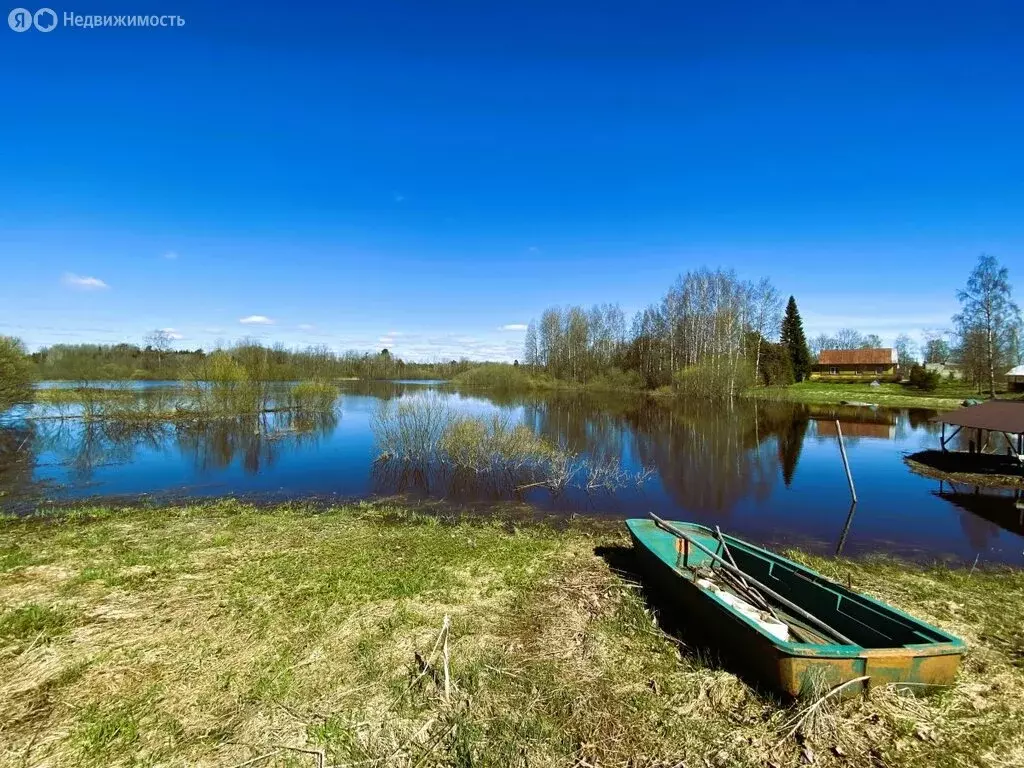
(768, 472)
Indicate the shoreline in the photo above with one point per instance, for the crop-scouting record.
(816, 392)
(214, 633)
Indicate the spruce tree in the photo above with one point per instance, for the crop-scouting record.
(795, 342)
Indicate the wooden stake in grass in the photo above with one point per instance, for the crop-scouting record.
(427, 664)
(445, 628)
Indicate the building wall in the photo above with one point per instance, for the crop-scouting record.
(865, 371)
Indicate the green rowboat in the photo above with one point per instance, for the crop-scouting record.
(786, 625)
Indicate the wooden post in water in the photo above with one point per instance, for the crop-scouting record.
(846, 462)
(846, 528)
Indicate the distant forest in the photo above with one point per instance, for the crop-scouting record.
(158, 361)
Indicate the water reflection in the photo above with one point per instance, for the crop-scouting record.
(768, 471)
(17, 463)
(709, 459)
(256, 441)
(988, 510)
(82, 448)
(846, 528)
(456, 484)
(790, 442)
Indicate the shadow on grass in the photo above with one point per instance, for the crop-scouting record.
(697, 644)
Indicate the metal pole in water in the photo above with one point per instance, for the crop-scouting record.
(846, 462)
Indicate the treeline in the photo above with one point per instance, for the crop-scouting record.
(712, 334)
(99, 362)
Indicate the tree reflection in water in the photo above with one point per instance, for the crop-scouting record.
(711, 458)
(17, 463)
(458, 484)
(258, 441)
(84, 446)
(707, 456)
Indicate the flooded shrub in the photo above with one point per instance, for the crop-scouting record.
(221, 385)
(124, 404)
(478, 442)
(422, 438)
(313, 396)
(411, 428)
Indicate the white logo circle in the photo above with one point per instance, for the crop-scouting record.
(43, 22)
(20, 19)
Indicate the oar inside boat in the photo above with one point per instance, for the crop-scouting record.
(786, 624)
(743, 577)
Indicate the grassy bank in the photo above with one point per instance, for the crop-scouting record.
(947, 396)
(216, 634)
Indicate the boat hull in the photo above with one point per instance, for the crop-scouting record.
(794, 668)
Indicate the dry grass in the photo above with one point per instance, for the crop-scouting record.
(217, 634)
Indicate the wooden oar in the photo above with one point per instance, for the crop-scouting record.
(814, 620)
(728, 553)
(757, 597)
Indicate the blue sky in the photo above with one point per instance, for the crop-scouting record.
(428, 176)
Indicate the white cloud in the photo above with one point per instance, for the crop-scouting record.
(83, 283)
(395, 333)
(386, 340)
(172, 334)
(514, 327)
(306, 326)
(398, 197)
(213, 330)
(256, 320)
(171, 255)
(533, 249)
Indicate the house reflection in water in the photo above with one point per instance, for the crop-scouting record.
(855, 422)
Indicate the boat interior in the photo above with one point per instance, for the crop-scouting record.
(867, 623)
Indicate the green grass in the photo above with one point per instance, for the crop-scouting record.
(31, 623)
(948, 395)
(217, 633)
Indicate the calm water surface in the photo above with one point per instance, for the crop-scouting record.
(768, 472)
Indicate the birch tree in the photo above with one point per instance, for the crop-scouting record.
(531, 353)
(989, 317)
